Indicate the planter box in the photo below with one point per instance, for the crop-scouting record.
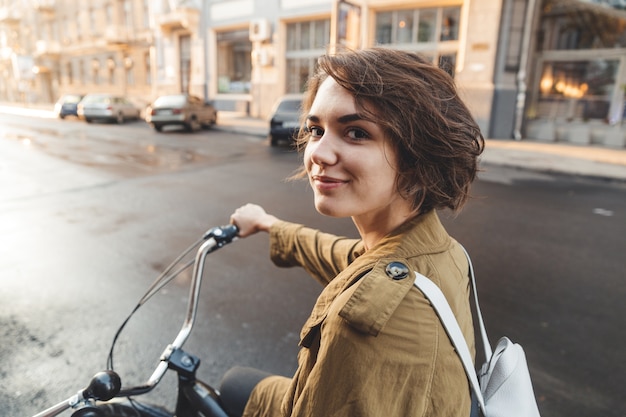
(544, 130)
(578, 133)
(615, 137)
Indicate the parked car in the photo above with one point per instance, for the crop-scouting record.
(67, 105)
(107, 107)
(184, 110)
(285, 119)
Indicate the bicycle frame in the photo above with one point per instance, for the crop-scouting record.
(194, 396)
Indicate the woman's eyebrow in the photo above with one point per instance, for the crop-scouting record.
(347, 118)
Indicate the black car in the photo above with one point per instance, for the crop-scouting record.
(67, 105)
(285, 119)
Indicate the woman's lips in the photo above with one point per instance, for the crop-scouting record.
(323, 182)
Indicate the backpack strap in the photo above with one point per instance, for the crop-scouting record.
(483, 331)
(432, 292)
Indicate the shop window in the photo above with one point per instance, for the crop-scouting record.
(234, 64)
(450, 24)
(426, 25)
(405, 27)
(577, 90)
(384, 28)
(580, 25)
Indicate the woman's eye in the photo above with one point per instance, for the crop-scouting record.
(315, 131)
(357, 134)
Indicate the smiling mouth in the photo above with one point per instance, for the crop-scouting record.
(324, 183)
(327, 180)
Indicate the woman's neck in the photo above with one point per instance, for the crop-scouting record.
(373, 228)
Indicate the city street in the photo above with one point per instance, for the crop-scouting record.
(90, 214)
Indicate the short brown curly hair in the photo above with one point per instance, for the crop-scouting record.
(436, 139)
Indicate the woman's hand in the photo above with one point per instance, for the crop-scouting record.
(252, 218)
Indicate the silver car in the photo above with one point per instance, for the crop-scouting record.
(183, 110)
(107, 107)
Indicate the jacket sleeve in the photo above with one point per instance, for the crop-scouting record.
(322, 255)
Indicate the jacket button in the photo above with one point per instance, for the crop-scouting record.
(397, 270)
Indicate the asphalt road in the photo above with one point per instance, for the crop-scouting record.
(90, 214)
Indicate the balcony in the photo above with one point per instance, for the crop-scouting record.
(116, 34)
(47, 48)
(181, 18)
(9, 16)
(45, 6)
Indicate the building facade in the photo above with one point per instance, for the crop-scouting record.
(552, 70)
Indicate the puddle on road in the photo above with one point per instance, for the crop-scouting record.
(116, 155)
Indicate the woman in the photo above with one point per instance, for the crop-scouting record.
(387, 141)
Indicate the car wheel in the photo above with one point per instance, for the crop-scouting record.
(193, 125)
(88, 120)
(158, 128)
(120, 118)
(273, 141)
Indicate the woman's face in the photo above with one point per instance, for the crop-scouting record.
(350, 163)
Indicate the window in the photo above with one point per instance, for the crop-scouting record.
(426, 25)
(70, 73)
(111, 68)
(450, 24)
(305, 42)
(148, 68)
(95, 71)
(415, 26)
(516, 32)
(423, 30)
(92, 21)
(577, 89)
(184, 43)
(108, 13)
(234, 63)
(81, 72)
(146, 14)
(578, 25)
(127, 16)
(129, 69)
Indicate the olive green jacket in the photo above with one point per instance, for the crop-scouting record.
(373, 346)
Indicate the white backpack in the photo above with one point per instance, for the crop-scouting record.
(502, 387)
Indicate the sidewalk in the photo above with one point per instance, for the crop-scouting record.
(585, 161)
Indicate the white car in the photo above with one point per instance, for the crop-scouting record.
(107, 107)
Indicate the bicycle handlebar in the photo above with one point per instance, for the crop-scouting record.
(214, 239)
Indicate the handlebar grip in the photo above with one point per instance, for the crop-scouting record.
(103, 386)
(222, 234)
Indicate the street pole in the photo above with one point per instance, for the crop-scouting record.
(521, 74)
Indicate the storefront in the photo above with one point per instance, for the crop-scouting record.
(579, 74)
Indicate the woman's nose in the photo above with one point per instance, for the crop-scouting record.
(324, 150)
